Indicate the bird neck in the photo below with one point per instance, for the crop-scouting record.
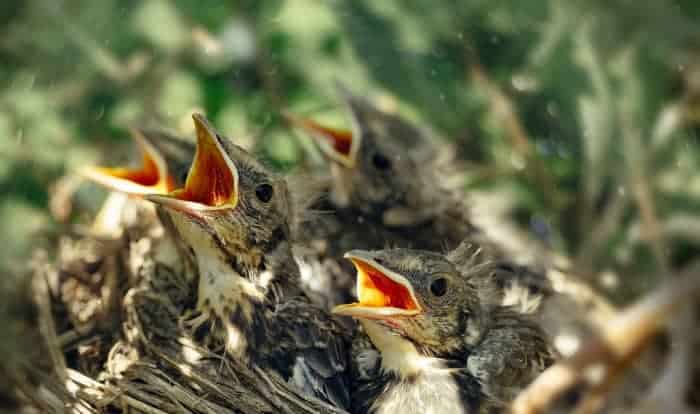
(264, 279)
(400, 356)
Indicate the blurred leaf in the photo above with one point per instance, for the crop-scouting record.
(181, 93)
(19, 222)
(161, 23)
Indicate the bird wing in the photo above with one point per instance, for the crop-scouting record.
(511, 354)
(311, 349)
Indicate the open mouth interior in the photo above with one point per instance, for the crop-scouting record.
(340, 140)
(147, 175)
(211, 180)
(376, 290)
(150, 177)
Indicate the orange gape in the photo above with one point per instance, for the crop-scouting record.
(341, 139)
(147, 175)
(377, 290)
(210, 180)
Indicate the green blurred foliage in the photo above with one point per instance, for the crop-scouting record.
(606, 92)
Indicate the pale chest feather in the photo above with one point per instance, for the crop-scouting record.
(428, 393)
(223, 293)
(408, 382)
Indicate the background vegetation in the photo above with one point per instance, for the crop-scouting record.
(583, 113)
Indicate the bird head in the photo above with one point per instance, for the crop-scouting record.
(416, 294)
(378, 164)
(151, 177)
(229, 200)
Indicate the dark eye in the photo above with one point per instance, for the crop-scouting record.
(381, 162)
(438, 287)
(264, 192)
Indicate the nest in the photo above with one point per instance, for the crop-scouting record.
(110, 317)
(110, 310)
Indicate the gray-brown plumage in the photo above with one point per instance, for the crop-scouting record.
(236, 217)
(390, 171)
(437, 344)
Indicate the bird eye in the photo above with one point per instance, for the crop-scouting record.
(381, 162)
(264, 192)
(438, 287)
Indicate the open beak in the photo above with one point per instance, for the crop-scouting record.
(382, 294)
(212, 182)
(336, 144)
(150, 178)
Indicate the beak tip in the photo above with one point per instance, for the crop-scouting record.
(173, 204)
(92, 173)
(200, 121)
(339, 310)
(152, 198)
(357, 254)
(157, 198)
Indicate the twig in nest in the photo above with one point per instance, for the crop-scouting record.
(623, 338)
(669, 392)
(74, 337)
(52, 395)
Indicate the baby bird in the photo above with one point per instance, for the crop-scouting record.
(237, 219)
(440, 348)
(384, 168)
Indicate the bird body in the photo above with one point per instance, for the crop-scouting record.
(236, 217)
